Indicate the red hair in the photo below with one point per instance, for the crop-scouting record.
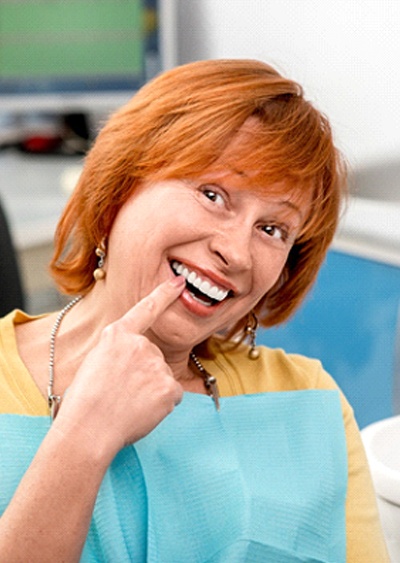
(178, 126)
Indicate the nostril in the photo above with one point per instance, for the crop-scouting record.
(224, 260)
(233, 249)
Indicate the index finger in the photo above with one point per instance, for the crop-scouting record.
(142, 315)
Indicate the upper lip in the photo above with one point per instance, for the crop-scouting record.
(208, 275)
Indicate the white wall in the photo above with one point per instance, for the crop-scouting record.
(346, 54)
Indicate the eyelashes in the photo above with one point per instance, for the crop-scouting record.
(278, 232)
(214, 194)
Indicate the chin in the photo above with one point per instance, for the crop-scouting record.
(177, 336)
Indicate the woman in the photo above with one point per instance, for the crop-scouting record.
(207, 201)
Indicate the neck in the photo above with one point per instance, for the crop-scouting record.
(180, 365)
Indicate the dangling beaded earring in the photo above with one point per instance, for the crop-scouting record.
(99, 273)
(250, 332)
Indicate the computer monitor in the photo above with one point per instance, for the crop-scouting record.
(81, 55)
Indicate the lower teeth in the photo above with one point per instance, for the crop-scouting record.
(199, 300)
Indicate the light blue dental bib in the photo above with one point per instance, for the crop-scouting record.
(262, 480)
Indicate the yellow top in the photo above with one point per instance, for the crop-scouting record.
(275, 371)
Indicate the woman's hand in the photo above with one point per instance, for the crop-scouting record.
(124, 388)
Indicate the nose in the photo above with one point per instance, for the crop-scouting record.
(232, 246)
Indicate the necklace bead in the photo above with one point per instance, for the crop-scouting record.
(54, 401)
(210, 382)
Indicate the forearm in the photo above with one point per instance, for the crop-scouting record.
(50, 513)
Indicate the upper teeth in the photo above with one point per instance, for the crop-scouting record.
(212, 291)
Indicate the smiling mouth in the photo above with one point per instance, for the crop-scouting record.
(201, 290)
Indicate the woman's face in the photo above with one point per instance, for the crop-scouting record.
(229, 238)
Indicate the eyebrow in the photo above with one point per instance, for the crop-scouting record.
(292, 205)
(287, 202)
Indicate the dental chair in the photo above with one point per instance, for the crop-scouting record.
(11, 290)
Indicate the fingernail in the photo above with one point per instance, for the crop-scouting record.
(178, 281)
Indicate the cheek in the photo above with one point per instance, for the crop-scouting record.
(268, 271)
(131, 233)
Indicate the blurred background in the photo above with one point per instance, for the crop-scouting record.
(65, 65)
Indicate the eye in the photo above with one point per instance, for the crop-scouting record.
(276, 232)
(213, 194)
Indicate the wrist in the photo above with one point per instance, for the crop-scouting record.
(85, 440)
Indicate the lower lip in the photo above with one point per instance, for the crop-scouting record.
(194, 306)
